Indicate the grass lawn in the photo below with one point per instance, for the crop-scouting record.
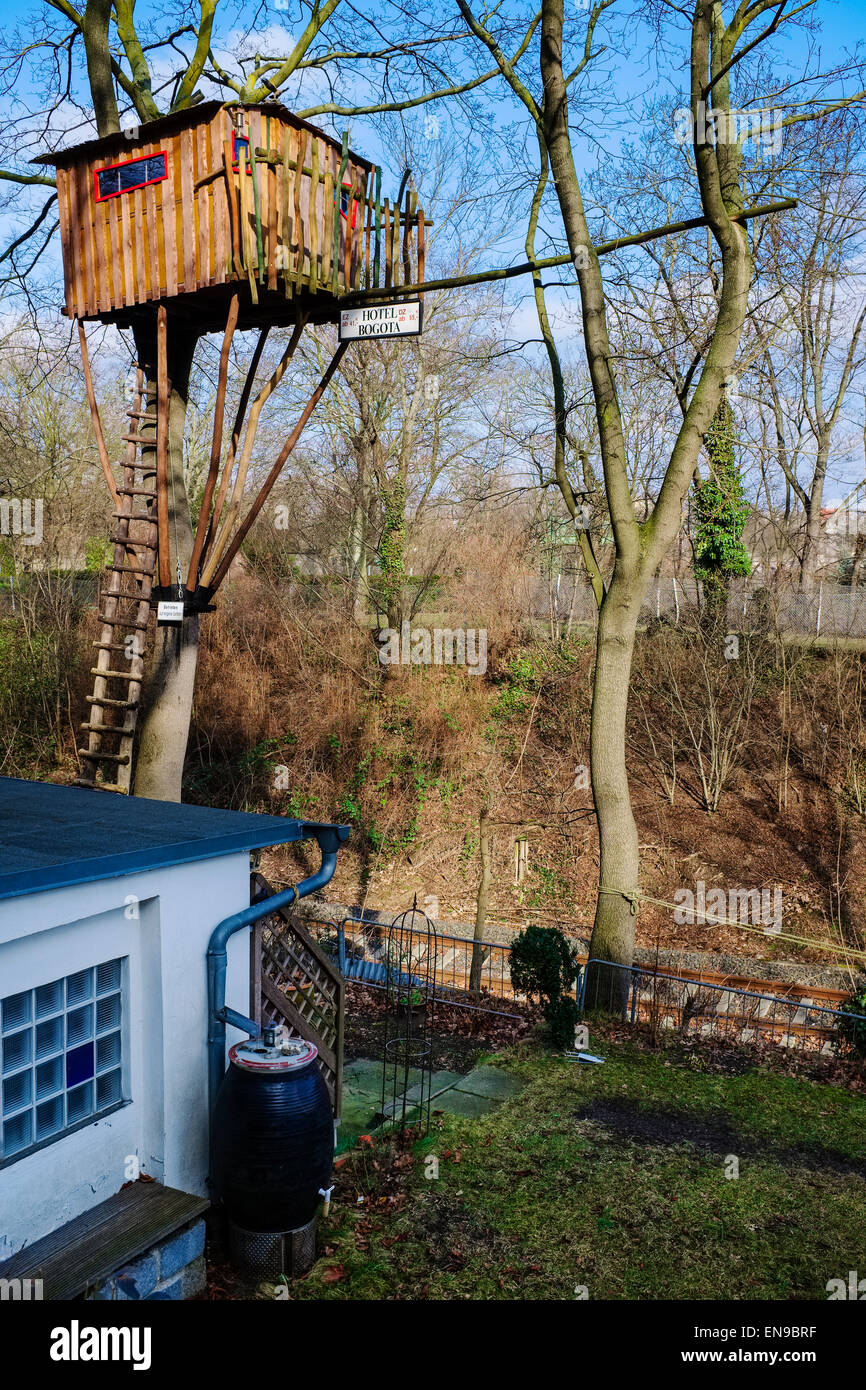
(610, 1179)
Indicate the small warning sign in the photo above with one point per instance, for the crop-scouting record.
(402, 320)
(169, 612)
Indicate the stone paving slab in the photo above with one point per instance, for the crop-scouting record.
(440, 1081)
(364, 1076)
(489, 1082)
(454, 1102)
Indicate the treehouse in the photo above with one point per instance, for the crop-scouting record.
(217, 218)
(206, 202)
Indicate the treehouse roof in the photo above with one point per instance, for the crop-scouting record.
(202, 113)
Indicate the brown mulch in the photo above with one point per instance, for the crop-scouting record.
(459, 1035)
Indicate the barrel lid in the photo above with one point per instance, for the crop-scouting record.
(255, 1054)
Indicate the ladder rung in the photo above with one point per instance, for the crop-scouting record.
(112, 704)
(123, 622)
(136, 492)
(129, 569)
(140, 415)
(99, 786)
(121, 758)
(114, 675)
(106, 729)
(111, 647)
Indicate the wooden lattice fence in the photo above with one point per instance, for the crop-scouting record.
(292, 981)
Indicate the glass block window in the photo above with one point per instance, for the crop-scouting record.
(132, 173)
(61, 1056)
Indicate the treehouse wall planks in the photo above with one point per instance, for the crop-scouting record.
(165, 212)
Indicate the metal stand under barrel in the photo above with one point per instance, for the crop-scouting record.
(407, 1052)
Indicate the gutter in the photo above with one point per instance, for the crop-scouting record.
(329, 839)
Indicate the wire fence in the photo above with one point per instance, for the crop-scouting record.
(720, 1010)
(730, 1008)
(828, 610)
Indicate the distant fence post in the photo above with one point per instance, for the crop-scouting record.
(818, 615)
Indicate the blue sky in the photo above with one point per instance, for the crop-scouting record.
(635, 80)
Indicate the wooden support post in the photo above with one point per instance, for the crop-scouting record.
(299, 221)
(240, 534)
(395, 243)
(94, 415)
(232, 202)
(422, 249)
(411, 200)
(338, 198)
(314, 217)
(216, 444)
(378, 251)
(250, 260)
(163, 402)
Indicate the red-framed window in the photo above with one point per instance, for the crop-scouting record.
(345, 195)
(115, 179)
(237, 141)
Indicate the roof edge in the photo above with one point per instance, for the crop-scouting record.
(189, 115)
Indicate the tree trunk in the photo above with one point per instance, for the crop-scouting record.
(478, 954)
(810, 556)
(170, 687)
(613, 929)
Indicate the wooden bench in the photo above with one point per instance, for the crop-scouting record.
(94, 1245)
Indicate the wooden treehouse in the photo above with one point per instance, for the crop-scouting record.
(218, 218)
(221, 199)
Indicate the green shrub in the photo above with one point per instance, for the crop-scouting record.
(543, 967)
(854, 1028)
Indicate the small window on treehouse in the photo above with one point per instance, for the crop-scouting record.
(345, 195)
(132, 173)
(240, 142)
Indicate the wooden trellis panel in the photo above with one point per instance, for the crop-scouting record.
(293, 982)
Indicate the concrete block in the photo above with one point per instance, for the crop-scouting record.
(138, 1279)
(180, 1250)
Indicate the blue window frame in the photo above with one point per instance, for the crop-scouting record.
(61, 1056)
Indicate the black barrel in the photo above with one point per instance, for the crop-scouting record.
(273, 1135)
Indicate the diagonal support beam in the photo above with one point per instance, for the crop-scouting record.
(264, 395)
(216, 443)
(240, 534)
(240, 416)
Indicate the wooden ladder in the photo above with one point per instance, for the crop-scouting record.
(124, 609)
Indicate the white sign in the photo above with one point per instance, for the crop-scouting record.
(169, 612)
(401, 320)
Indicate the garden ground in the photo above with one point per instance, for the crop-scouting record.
(616, 1181)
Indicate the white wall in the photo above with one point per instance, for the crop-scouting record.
(161, 922)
